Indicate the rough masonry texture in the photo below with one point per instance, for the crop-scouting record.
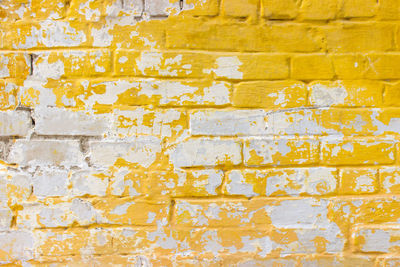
(200, 133)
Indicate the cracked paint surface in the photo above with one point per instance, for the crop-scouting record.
(199, 133)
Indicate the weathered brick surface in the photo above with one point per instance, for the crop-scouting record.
(199, 133)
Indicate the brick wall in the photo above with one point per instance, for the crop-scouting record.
(200, 132)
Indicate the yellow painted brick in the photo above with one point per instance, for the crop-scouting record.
(78, 241)
(276, 9)
(389, 9)
(348, 66)
(360, 37)
(128, 211)
(14, 65)
(126, 182)
(391, 96)
(358, 8)
(359, 93)
(166, 64)
(389, 180)
(365, 238)
(358, 151)
(310, 67)
(270, 94)
(318, 9)
(240, 8)
(48, 9)
(328, 260)
(236, 37)
(358, 181)
(382, 66)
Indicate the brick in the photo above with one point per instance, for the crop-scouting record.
(129, 8)
(346, 93)
(60, 242)
(57, 121)
(282, 151)
(240, 8)
(250, 67)
(57, 65)
(202, 8)
(240, 262)
(15, 123)
(270, 94)
(47, 34)
(88, 182)
(6, 216)
(275, 9)
(50, 183)
(281, 182)
(228, 123)
(377, 239)
(8, 92)
(141, 121)
(364, 210)
(358, 181)
(65, 153)
(127, 182)
(132, 212)
(162, 64)
(16, 245)
(161, 7)
(206, 152)
(290, 214)
(48, 9)
(311, 67)
(349, 67)
(360, 37)
(389, 10)
(16, 186)
(358, 9)
(164, 93)
(236, 37)
(391, 96)
(382, 66)
(178, 183)
(389, 180)
(318, 10)
(370, 121)
(142, 151)
(357, 151)
(304, 122)
(58, 213)
(14, 65)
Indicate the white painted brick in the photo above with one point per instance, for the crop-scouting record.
(161, 7)
(206, 152)
(5, 218)
(228, 123)
(50, 183)
(46, 152)
(384, 239)
(58, 121)
(122, 8)
(299, 213)
(16, 245)
(16, 123)
(298, 122)
(142, 151)
(89, 182)
(61, 214)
